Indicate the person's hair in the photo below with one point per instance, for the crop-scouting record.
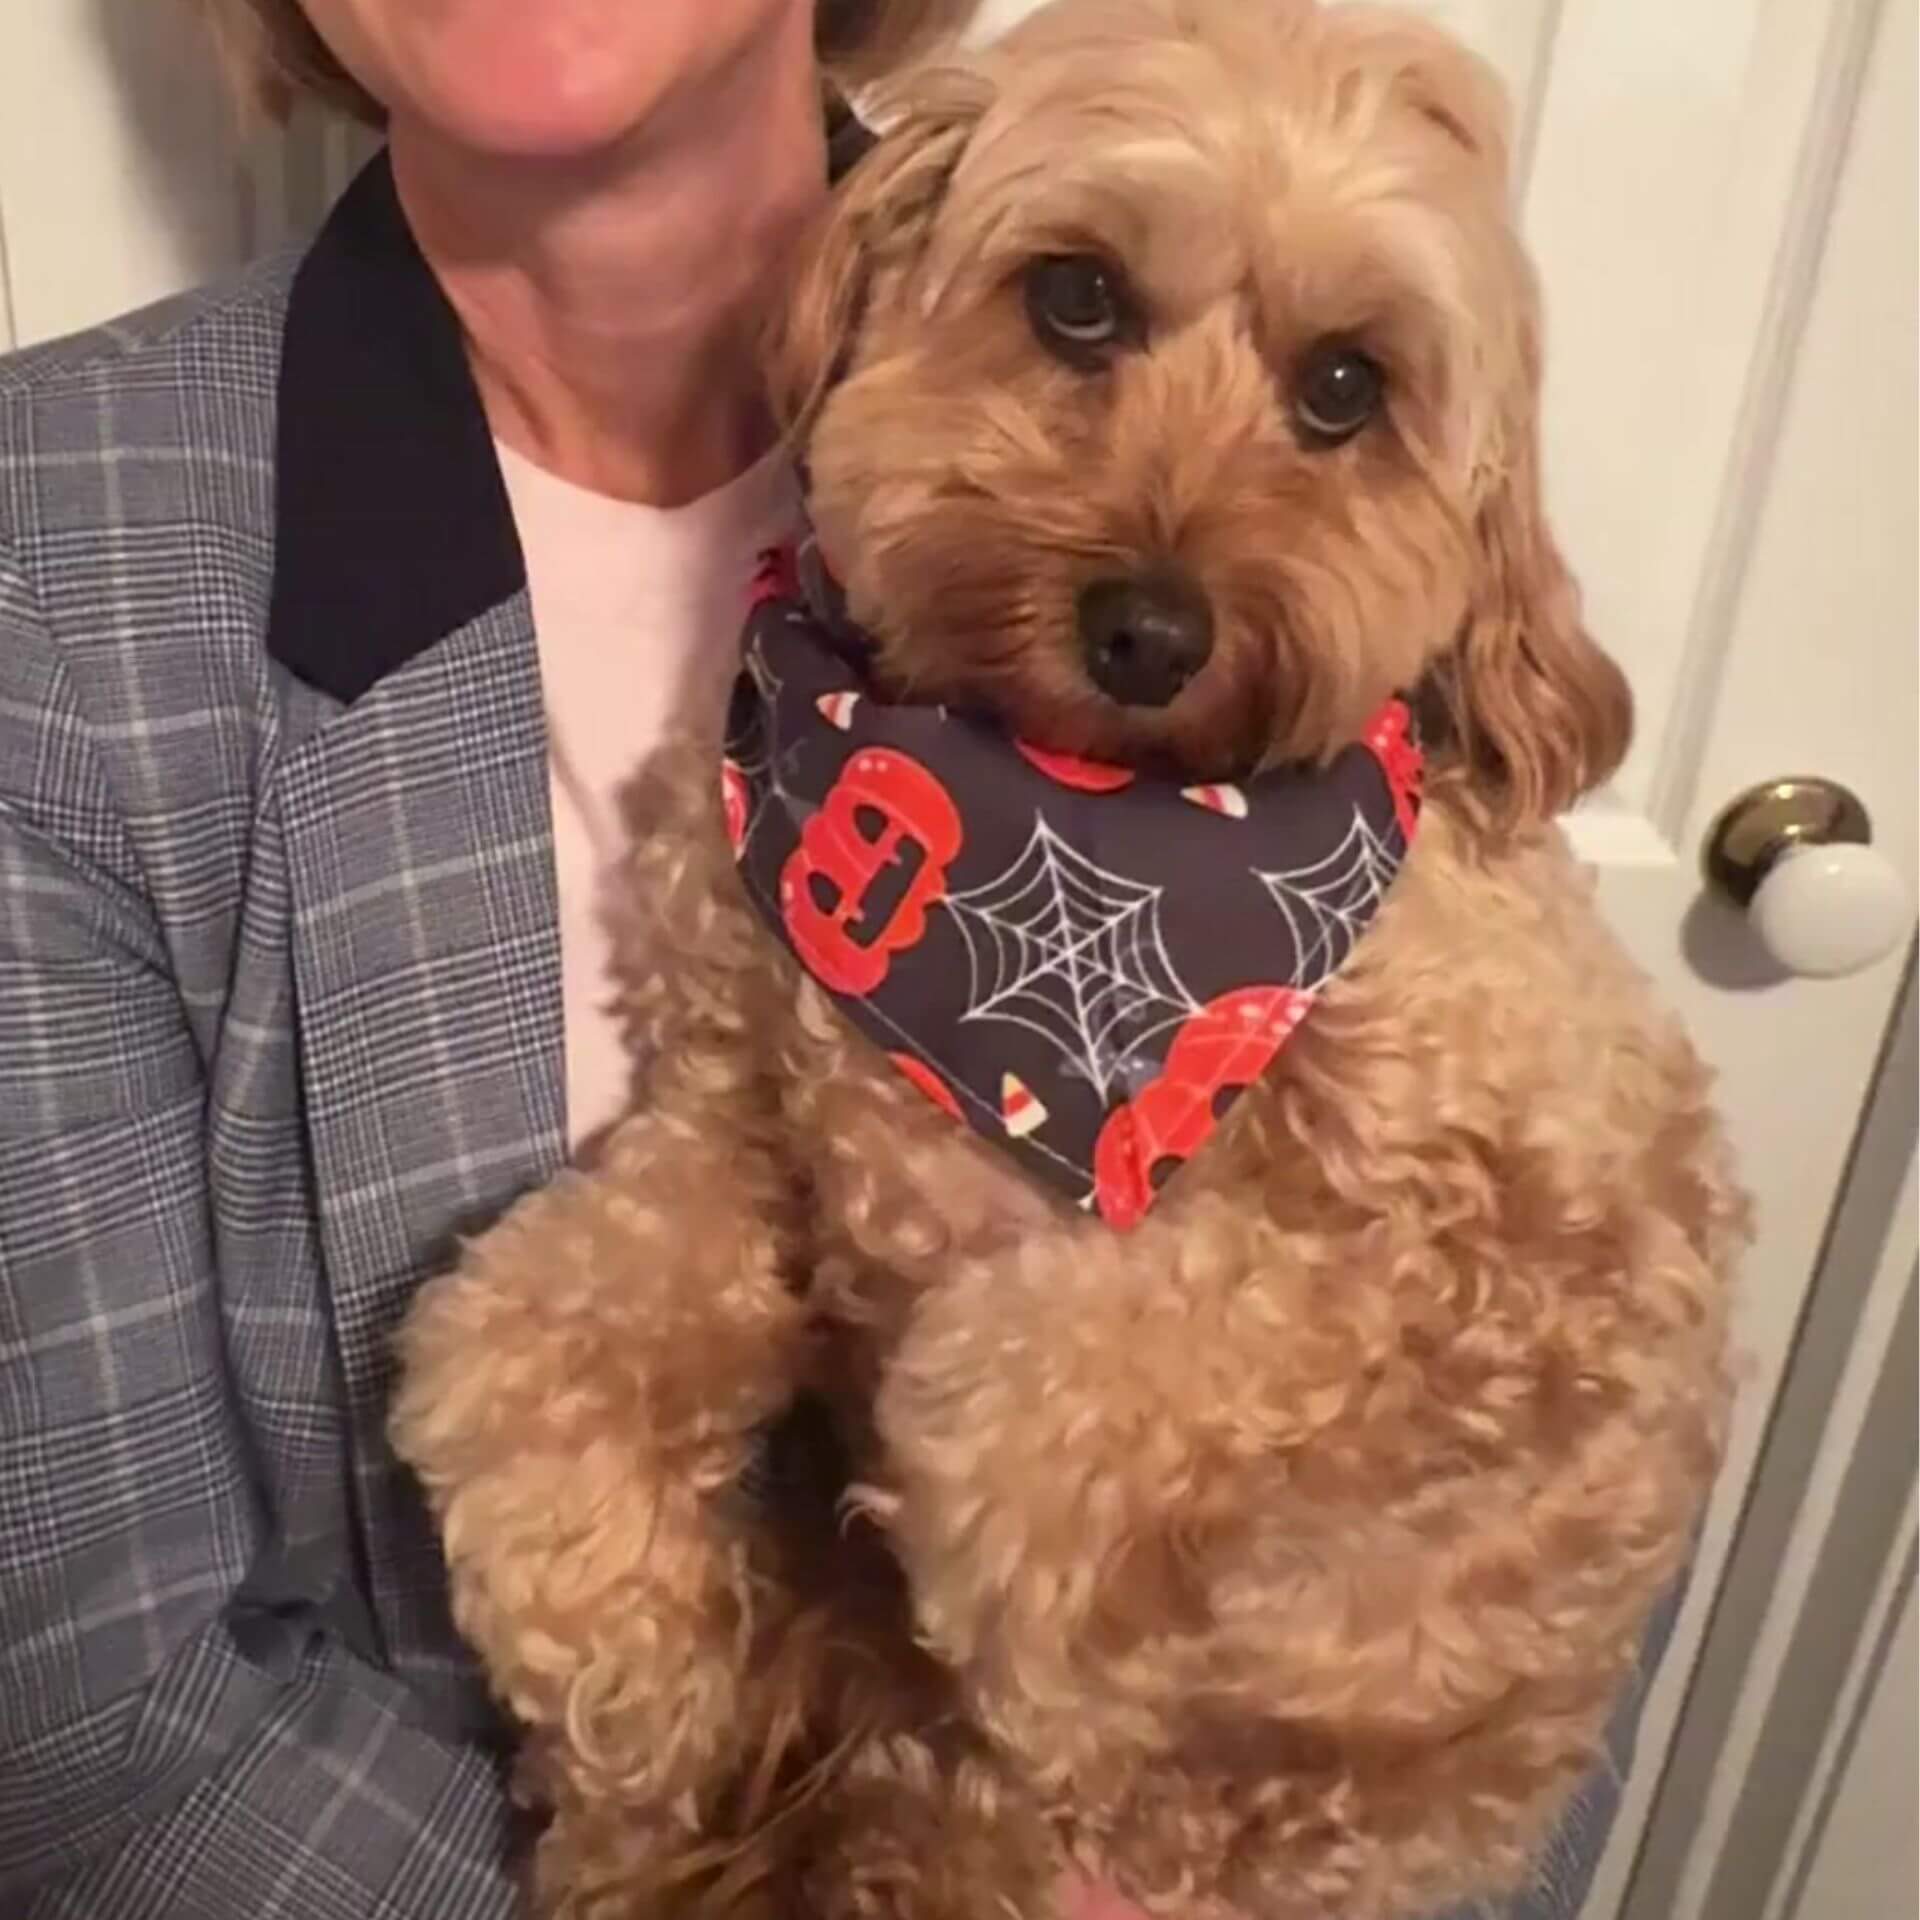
(277, 59)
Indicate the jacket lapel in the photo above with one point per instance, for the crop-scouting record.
(426, 974)
(418, 836)
(391, 522)
(418, 840)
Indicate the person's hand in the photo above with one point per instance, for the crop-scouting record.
(1097, 1903)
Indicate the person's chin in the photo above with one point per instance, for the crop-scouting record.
(517, 84)
(535, 123)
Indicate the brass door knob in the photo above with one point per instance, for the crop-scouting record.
(1797, 856)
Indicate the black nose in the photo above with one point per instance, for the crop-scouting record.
(1144, 639)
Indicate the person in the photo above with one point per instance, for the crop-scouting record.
(336, 604)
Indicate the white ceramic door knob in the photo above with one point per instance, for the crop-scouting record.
(1797, 856)
(1825, 911)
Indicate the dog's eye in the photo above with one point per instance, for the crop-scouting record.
(1337, 391)
(1079, 306)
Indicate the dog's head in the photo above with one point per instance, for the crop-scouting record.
(1167, 379)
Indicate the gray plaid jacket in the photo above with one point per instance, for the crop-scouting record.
(279, 1019)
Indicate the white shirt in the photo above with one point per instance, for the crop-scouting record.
(638, 612)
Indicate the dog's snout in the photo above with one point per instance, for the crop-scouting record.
(1145, 638)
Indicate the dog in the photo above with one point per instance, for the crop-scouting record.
(856, 1525)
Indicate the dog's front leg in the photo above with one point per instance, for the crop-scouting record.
(1272, 1626)
(580, 1397)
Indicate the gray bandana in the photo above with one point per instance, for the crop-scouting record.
(1085, 964)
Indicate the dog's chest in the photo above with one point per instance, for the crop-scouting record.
(879, 1150)
(896, 1182)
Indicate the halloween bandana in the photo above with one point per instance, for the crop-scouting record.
(1084, 964)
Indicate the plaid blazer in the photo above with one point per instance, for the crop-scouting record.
(279, 1020)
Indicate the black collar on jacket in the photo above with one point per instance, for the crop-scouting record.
(392, 525)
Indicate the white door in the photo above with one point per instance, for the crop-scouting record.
(1722, 197)
(1865, 1862)
(1721, 194)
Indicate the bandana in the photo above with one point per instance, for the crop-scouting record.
(1085, 964)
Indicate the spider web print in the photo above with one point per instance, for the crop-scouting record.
(767, 685)
(758, 765)
(1073, 952)
(1329, 902)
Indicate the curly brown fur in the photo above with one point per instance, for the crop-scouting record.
(1283, 1557)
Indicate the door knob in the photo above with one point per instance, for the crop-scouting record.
(1797, 856)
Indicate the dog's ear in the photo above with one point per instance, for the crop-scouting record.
(876, 222)
(1450, 85)
(1537, 711)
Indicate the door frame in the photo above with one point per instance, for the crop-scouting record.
(1822, 1555)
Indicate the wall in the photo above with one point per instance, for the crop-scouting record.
(124, 174)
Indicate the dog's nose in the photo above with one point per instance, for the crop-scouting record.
(1144, 639)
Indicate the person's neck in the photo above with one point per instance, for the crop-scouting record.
(613, 306)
